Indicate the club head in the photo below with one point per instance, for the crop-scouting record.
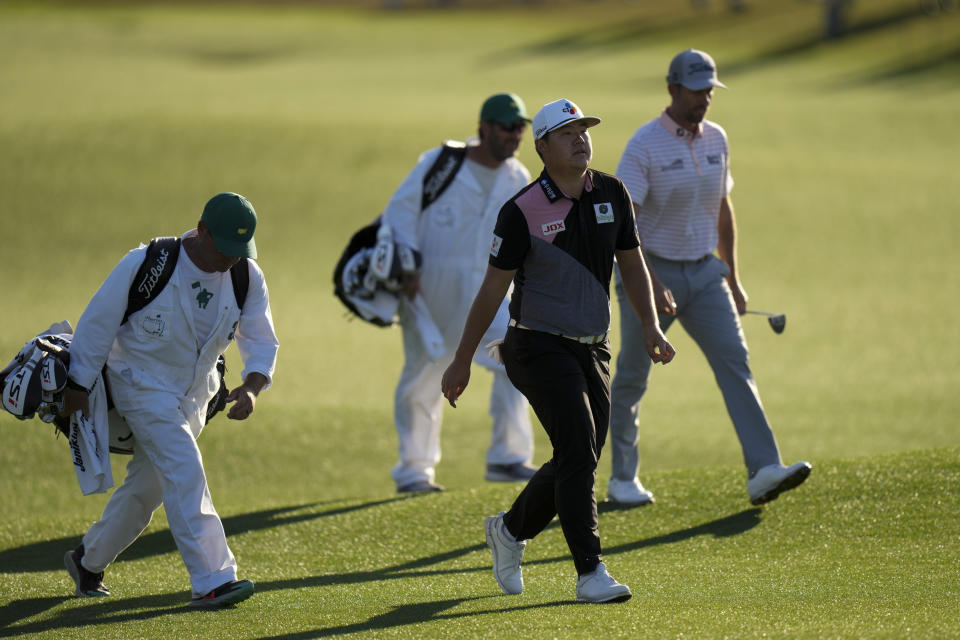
(778, 322)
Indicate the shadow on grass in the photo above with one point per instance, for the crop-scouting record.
(801, 46)
(619, 35)
(645, 31)
(417, 613)
(942, 65)
(433, 611)
(935, 59)
(720, 528)
(104, 611)
(99, 611)
(47, 555)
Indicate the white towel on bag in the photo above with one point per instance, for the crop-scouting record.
(89, 443)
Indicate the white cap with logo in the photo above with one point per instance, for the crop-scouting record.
(554, 115)
(694, 69)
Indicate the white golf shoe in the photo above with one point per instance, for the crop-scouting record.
(507, 555)
(600, 586)
(629, 493)
(772, 480)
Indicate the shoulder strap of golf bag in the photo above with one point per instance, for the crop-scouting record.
(438, 177)
(442, 172)
(154, 273)
(157, 268)
(240, 277)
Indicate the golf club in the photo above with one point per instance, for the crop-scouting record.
(778, 321)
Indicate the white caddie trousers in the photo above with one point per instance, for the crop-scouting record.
(453, 236)
(166, 468)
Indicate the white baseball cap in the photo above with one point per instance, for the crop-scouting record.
(554, 115)
(694, 69)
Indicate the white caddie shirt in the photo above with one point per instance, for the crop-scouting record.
(160, 348)
(204, 289)
(677, 180)
(452, 235)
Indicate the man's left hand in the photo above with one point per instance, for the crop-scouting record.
(658, 347)
(739, 296)
(244, 400)
(245, 396)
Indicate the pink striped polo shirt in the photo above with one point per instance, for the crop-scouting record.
(677, 180)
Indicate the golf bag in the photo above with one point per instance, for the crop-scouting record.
(34, 381)
(368, 276)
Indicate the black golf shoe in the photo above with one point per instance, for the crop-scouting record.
(226, 594)
(89, 584)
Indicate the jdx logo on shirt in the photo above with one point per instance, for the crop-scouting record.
(604, 211)
(550, 228)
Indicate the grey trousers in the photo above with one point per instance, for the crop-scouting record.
(706, 310)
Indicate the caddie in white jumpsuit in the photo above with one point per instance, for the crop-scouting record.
(161, 373)
(453, 236)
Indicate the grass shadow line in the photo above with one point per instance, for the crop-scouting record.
(940, 65)
(103, 611)
(724, 527)
(804, 45)
(415, 613)
(411, 569)
(99, 611)
(47, 555)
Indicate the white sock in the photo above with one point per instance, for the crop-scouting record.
(506, 532)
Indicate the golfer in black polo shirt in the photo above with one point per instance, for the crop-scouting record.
(558, 251)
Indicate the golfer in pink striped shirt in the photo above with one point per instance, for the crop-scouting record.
(677, 170)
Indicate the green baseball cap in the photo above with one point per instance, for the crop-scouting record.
(505, 108)
(231, 220)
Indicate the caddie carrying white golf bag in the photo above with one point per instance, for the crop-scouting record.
(33, 385)
(34, 381)
(368, 278)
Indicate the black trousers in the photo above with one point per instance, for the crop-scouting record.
(568, 386)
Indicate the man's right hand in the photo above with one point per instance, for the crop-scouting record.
(411, 284)
(75, 400)
(454, 381)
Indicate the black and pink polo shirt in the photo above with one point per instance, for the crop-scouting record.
(563, 250)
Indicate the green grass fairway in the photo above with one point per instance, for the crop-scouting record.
(867, 549)
(119, 120)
